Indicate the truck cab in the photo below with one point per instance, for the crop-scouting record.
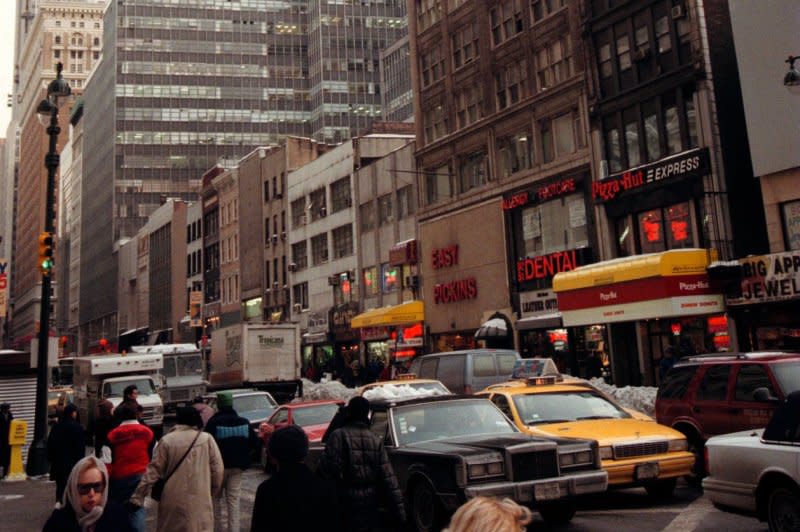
(183, 373)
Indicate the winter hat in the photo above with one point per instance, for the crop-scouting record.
(288, 444)
(224, 399)
(358, 407)
(187, 415)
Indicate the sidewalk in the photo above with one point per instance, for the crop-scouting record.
(26, 504)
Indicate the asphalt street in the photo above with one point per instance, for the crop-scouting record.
(25, 506)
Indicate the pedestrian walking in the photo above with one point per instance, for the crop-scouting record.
(356, 460)
(190, 461)
(103, 424)
(294, 486)
(86, 506)
(485, 514)
(6, 417)
(130, 397)
(66, 445)
(235, 440)
(205, 411)
(666, 362)
(130, 442)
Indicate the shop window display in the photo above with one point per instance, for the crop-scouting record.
(543, 226)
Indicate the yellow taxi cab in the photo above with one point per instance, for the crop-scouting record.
(406, 381)
(634, 451)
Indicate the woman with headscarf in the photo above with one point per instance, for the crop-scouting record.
(85, 506)
(186, 501)
(65, 446)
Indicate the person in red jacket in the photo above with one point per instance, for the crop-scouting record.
(130, 443)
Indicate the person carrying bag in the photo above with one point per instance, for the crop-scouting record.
(158, 488)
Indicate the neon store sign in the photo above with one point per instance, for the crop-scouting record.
(452, 291)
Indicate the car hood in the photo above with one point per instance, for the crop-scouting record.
(607, 431)
(473, 445)
(736, 437)
(315, 432)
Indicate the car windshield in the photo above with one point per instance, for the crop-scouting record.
(314, 415)
(788, 375)
(116, 389)
(53, 395)
(559, 407)
(254, 407)
(448, 419)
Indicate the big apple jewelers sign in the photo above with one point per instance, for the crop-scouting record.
(767, 278)
(4, 272)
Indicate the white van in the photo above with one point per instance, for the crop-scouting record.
(467, 371)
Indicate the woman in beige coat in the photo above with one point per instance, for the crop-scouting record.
(186, 503)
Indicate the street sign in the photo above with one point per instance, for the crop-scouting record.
(196, 308)
(3, 287)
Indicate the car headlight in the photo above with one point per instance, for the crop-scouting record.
(606, 453)
(576, 459)
(159, 410)
(678, 445)
(493, 467)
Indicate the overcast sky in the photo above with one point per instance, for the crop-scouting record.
(7, 27)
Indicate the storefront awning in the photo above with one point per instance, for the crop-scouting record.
(658, 285)
(542, 321)
(409, 312)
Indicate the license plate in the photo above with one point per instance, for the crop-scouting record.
(547, 491)
(646, 471)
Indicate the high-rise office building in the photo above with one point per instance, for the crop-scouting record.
(186, 85)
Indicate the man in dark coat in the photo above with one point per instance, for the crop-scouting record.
(357, 461)
(5, 428)
(66, 445)
(294, 486)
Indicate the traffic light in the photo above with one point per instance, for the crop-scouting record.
(46, 253)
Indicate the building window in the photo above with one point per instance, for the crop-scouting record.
(340, 194)
(57, 54)
(367, 215)
(389, 278)
(691, 116)
(612, 145)
(624, 53)
(405, 202)
(298, 211)
(510, 84)
(663, 229)
(300, 295)
(95, 55)
(266, 191)
(555, 225)
(435, 123)
(544, 8)
(604, 60)
(514, 153)
(468, 109)
(432, 64)
(631, 126)
(652, 136)
(428, 12)
(317, 204)
(342, 241)
(96, 41)
(472, 171)
(790, 215)
(300, 255)
(370, 279)
(662, 35)
(267, 235)
(319, 248)
(554, 63)
(437, 185)
(671, 123)
(506, 20)
(57, 39)
(465, 45)
(385, 215)
(558, 137)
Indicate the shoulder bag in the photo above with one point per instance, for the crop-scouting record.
(158, 487)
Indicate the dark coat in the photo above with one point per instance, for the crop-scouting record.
(295, 499)
(234, 437)
(5, 449)
(65, 446)
(114, 519)
(357, 461)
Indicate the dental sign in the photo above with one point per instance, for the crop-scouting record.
(766, 278)
(686, 164)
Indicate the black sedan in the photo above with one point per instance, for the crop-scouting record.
(447, 449)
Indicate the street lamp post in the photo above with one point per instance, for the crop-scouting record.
(57, 92)
(792, 78)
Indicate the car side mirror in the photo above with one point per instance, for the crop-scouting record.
(763, 395)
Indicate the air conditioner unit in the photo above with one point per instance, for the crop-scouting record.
(678, 11)
(275, 285)
(333, 280)
(292, 267)
(283, 235)
(412, 281)
(278, 195)
(297, 307)
(323, 212)
(274, 237)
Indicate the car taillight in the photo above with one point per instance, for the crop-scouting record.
(707, 461)
(468, 389)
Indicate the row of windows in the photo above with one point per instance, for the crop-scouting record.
(188, 137)
(388, 207)
(178, 68)
(556, 137)
(230, 289)
(342, 239)
(656, 230)
(212, 115)
(230, 249)
(191, 46)
(194, 263)
(278, 186)
(506, 17)
(77, 24)
(193, 232)
(305, 210)
(277, 230)
(76, 40)
(215, 25)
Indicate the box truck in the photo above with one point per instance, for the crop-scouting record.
(183, 373)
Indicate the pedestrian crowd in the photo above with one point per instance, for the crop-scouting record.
(195, 471)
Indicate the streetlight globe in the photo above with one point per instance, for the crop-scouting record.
(58, 90)
(43, 112)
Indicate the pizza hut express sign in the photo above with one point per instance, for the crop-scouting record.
(692, 162)
(453, 291)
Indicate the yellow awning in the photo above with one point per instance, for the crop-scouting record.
(404, 313)
(667, 263)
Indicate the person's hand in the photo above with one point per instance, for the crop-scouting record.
(131, 506)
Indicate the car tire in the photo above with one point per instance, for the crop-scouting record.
(557, 513)
(425, 511)
(697, 448)
(661, 489)
(783, 509)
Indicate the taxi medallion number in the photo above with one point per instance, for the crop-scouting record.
(646, 471)
(547, 491)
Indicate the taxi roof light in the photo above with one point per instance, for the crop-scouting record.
(544, 380)
(529, 369)
(406, 377)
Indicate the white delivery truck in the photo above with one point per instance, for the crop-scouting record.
(262, 356)
(183, 373)
(106, 377)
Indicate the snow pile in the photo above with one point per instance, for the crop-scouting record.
(641, 398)
(326, 390)
(400, 391)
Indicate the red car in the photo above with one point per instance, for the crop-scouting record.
(312, 416)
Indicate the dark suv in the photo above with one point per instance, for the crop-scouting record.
(706, 395)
